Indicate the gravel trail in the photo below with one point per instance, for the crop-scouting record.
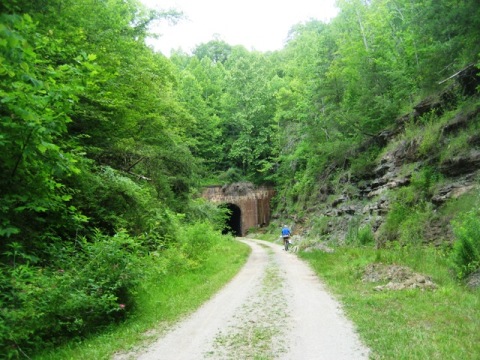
(275, 308)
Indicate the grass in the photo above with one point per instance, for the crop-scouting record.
(406, 324)
(161, 301)
(264, 236)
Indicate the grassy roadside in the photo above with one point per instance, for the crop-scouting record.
(405, 324)
(161, 301)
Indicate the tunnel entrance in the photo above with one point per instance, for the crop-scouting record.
(249, 206)
(233, 224)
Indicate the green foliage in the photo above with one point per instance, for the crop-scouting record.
(201, 210)
(365, 235)
(320, 225)
(232, 175)
(91, 137)
(423, 182)
(465, 254)
(351, 236)
(348, 80)
(460, 143)
(103, 141)
(431, 136)
(217, 51)
(359, 234)
(397, 214)
(167, 292)
(88, 139)
(363, 164)
(460, 205)
(411, 229)
(37, 94)
(197, 239)
(409, 213)
(248, 106)
(91, 284)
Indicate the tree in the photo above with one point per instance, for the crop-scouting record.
(38, 95)
(217, 50)
(249, 106)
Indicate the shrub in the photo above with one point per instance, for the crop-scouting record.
(197, 238)
(351, 235)
(412, 229)
(232, 175)
(465, 255)
(90, 286)
(430, 134)
(365, 235)
(202, 210)
(424, 180)
(409, 211)
(359, 234)
(364, 163)
(320, 226)
(389, 230)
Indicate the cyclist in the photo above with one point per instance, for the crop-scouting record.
(286, 236)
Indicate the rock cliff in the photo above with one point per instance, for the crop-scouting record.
(434, 150)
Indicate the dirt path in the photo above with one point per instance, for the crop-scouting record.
(264, 314)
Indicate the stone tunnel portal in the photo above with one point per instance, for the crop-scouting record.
(234, 221)
(249, 205)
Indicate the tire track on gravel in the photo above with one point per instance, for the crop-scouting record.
(275, 308)
(259, 327)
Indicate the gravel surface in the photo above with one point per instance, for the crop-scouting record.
(275, 308)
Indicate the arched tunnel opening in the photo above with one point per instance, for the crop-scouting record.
(233, 223)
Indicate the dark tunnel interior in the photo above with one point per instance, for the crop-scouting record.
(233, 224)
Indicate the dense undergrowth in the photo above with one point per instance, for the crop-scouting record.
(114, 280)
(175, 284)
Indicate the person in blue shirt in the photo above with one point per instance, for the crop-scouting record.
(286, 233)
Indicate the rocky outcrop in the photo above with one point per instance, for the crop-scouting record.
(462, 164)
(366, 199)
(454, 189)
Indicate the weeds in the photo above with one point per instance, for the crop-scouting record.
(177, 281)
(365, 235)
(406, 324)
(47, 306)
(409, 212)
(466, 250)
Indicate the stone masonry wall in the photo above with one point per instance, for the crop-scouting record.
(254, 203)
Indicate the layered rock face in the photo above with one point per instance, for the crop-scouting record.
(368, 199)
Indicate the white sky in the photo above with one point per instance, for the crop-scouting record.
(261, 25)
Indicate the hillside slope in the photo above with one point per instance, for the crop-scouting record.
(425, 172)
